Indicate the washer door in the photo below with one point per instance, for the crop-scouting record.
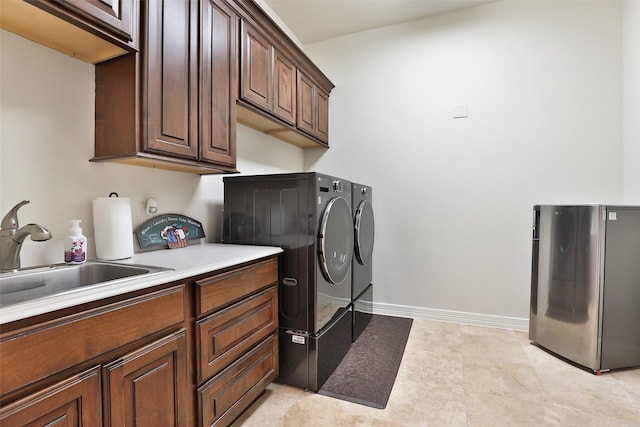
(336, 240)
(364, 232)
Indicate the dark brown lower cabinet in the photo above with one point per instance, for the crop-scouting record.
(121, 362)
(144, 388)
(197, 351)
(225, 336)
(72, 402)
(236, 340)
(229, 393)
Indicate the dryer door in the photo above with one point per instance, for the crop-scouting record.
(336, 240)
(364, 232)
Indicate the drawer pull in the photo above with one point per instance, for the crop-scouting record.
(289, 281)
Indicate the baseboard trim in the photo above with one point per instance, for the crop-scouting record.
(504, 322)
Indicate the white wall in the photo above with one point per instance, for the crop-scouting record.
(453, 197)
(631, 55)
(46, 141)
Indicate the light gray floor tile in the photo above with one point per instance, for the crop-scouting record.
(461, 375)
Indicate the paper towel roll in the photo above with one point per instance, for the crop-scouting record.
(113, 228)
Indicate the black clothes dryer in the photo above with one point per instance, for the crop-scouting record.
(362, 266)
(309, 216)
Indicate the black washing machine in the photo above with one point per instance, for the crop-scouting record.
(362, 266)
(309, 216)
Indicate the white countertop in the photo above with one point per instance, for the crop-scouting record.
(186, 262)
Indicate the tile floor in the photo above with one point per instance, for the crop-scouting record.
(460, 375)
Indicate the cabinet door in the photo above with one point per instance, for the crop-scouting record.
(284, 88)
(172, 78)
(72, 402)
(219, 81)
(149, 387)
(313, 109)
(257, 68)
(306, 104)
(322, 116)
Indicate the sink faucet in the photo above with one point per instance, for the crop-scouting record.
(12, 236)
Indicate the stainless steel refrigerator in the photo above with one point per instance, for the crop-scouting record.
(585, 284)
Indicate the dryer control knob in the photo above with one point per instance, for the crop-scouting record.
(337, 186)
(364, 191)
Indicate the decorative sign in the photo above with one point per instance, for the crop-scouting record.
(172, 230)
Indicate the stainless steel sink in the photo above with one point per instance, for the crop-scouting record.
(38, 282)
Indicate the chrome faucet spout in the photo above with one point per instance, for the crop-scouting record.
(12, 237)
(38, 233)
(10, 220)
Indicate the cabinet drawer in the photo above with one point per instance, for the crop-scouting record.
(223, 398)
(221, 290)
(227, 334)
(34, 353)
(74, 401)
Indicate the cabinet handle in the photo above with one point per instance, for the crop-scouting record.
(289, 281)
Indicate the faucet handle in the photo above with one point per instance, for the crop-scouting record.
(10, 220)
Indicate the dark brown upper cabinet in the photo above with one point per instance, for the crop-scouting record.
(172, 106)
(284, 88)
(313, 109)
(282, 92)
(173, 77)
(218, 83)
(257, 68)
(90, 30)
(268, 76)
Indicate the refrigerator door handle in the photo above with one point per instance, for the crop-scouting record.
(535, 249)
(536, 223)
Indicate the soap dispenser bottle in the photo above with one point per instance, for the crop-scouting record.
(75, 244)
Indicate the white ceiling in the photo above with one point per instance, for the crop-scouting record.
(315, 20)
